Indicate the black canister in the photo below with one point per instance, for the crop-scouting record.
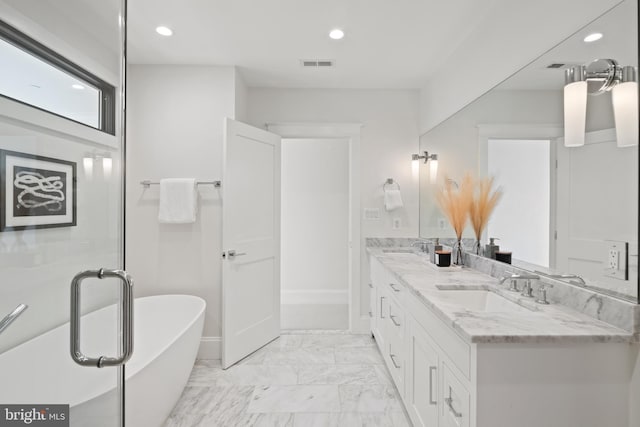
(503, 256)
(443, 258)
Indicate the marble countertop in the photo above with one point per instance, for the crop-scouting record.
(529, 323)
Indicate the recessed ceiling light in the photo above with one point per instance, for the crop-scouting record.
(593, 37)
(164, 31)
(336, 34)
(77, 86)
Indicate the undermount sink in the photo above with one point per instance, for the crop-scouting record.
(481, 300)
(399, 251)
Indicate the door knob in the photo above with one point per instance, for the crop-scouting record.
(231, 254)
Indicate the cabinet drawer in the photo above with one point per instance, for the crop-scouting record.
(455, 400)
(458, 351)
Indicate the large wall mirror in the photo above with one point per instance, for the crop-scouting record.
(567, 212)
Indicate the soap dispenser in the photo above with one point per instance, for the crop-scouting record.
(436, 247)
(491, 248)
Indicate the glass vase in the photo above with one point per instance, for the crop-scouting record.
(477, 248)
(457, 255)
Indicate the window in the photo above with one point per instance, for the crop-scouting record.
(33, 74)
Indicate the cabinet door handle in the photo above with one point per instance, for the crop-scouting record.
(393, 319)
(393, 286)
(370, 313)
(449, 402)
(370, 285)
(393, 360)
(432, 369)
(381, 310)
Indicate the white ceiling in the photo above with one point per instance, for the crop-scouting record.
(388, 43)
(619, 27)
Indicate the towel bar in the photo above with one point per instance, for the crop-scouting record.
(147, 183)
(390, 181)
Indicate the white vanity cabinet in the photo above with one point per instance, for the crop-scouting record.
(388, 326)
(448, 381)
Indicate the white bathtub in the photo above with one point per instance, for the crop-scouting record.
(167, 331)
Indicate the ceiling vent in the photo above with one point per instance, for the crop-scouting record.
(317, 63)
(559, 65)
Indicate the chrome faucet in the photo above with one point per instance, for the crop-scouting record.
(422, 244)
(526, 290)
(9, 318)
(514, 277)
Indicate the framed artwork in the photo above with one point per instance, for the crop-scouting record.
(36, 192)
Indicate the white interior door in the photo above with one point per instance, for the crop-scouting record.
(250, 240)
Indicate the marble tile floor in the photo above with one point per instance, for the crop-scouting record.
(302, 379)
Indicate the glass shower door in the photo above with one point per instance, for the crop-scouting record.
(61, 211)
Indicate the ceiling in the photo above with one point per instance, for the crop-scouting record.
(388, 44)
(619, 42)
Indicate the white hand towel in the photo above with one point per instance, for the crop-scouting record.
(392, 200)
(177, 201)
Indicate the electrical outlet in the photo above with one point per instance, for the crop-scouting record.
(442, 223)
(397, 223)
(371, 214)
(616, 259)
(613, 258)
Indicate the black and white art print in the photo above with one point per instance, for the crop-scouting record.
(36, 191)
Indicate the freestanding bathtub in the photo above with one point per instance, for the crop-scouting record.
(167, 331)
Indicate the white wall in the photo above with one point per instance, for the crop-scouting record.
(241, 97)
(315, 233)
(175, 116)
(389, 137)
(480, 62)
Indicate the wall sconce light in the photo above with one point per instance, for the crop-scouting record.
(107, 166)
(601, 75)
(433, 166)
(90, 159)
(87, 163)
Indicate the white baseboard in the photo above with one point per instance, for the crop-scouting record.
(314, 316)
(210, 348)
(314, 296)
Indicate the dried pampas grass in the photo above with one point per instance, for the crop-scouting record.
(483, 202)
(455, 202)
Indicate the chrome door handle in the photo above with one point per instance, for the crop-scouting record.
(231, 254)
(126, 320)
(431, 401)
